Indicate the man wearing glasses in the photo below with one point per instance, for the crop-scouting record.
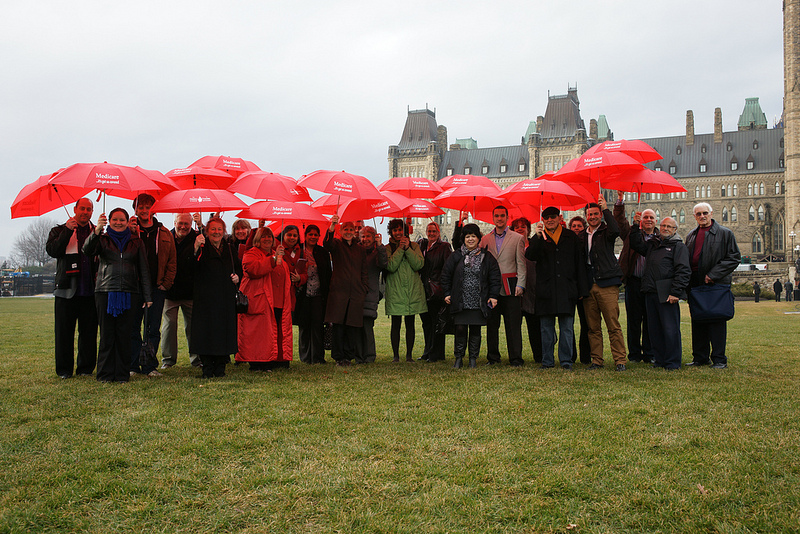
(713, 256)
(664, 280)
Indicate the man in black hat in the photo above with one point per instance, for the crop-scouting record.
(561, 279)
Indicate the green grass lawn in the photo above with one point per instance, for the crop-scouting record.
(405, 447)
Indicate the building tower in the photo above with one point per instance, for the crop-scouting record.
(791, 110)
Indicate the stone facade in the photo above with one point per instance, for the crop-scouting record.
(791, 112)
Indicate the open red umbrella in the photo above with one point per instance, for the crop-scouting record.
(40, 197)
(165, 184)
(341, 183)
(472, 198)
(456, 180)
(638, 150)
(599, 167)
(411, 187)
(204, 177)
(285, 213)
(544, 193)
(646, 181)
(109, 178)
(269, 186)
(233, 166)
(418, 208)
(198, 200)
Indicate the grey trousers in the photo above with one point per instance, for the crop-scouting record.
(169, 331)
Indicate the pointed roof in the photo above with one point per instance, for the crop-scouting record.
(531, 130)
(563, 115)
(752, 117)
(602, 128)
(420, 129)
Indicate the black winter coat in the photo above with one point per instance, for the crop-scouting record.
(120, 271)
(349, 282)
(720, 255)
(183, 286)
(560, 273)
(665, 259)
(453, 280)
(56, 247)
(214, 324)
(377, 260)
(435, 258)
(302, 311)
(605, 269)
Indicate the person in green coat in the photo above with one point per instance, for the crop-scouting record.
(405, 296)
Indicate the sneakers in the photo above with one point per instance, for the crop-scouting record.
(154, 374)
(720, 366)
(166, 366)
(595, 366)
(621, 367)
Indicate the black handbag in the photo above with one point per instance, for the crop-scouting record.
(711, 302)
(147, 353)
(242, 302)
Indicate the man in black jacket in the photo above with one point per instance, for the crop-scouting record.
(664, 281)
(180, 295)
(713, 256)
(435, 251)
(777, 288)
(74, 293)
(601, 233)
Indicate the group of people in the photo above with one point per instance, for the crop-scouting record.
(124, 273)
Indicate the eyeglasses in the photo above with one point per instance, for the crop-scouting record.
(697, 214)
(546, 217)
(668, 226)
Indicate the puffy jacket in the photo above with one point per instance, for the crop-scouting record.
(120, 271)
(453, 280)
(404, 292)
(604, 266)
(667, 258)
(720, 255)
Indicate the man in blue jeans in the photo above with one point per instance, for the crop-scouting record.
(162, 263)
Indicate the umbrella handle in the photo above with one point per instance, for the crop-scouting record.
(60, 200)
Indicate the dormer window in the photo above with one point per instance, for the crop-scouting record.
(703, 148)
(521, 165)
(750, 164)
(467, 170)
(780, 161)
(485, 169)
(673, 169)
(678, 150)
(734, 165)
(703, 165)
(449, 171)
(503, 167)
(755, 144)
(657, 167)
(730, 147)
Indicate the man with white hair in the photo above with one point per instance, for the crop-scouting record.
(713, 256)
(180, 295)
(632, 264)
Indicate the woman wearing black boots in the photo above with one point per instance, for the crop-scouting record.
(471, 282)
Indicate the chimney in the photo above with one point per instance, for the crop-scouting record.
(689, 128)
(593, 128)
(539, 124)
(718, 125)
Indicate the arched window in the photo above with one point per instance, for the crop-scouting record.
(735, 190)
(777, 234)
(725, 214)
(723, 192)
(658, 215)
(761, 213)
(757, 244)
(751, 214)
(697, 192)
(674, 214)
(783, 188)
(749, 190)
(683, 216)
(734, 214)
(708, 191)
(777, 188)
(761, 190)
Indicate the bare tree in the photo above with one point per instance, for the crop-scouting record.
(29, 247)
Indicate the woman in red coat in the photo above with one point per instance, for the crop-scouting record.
(265, 331)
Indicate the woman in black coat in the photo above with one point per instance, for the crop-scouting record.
(312, 295)
(123, 284)
(436, 253)
(471, 282)
(216, 277)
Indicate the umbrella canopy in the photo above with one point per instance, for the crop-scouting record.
(269, 186)
(341, 183)
(598, 167)
(107, 177)
(418, 208)
(646, 181)
(543, 193)
(358, 209)
(203, 177)
(411, 187)
(233, 166)
(472, 198)
(638, 150)
(284, 212)
(456, 180)
(40, 197)
(198, 200)
(166, 185)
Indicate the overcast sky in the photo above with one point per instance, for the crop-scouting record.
(311, 85)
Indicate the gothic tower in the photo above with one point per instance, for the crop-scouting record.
(791, 107)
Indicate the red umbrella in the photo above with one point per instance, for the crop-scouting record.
(358, 210)
(198, 200)
(204, 177)
(233, 166)
(284, 212)
(646, 181)
(411, 187)
(472, 198)
(341, 183)
(269, 185)
(543, 193)
(111, 179)
(638, 150)
(597, 168)
(418, 208)
(166, 185)
(456, 180)
(40, 197)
